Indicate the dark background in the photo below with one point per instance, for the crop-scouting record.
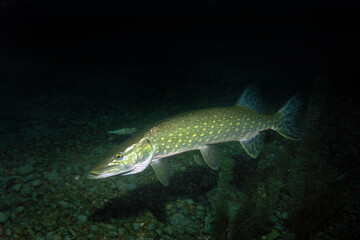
(159, 42)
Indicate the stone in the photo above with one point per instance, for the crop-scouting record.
(121, 231)
(25, 170)
(17, 187)
(50, 236)
(3, 217)
(19, 209)
(81, 219)
(150, 227)
(136, 226)
(94, 228)
(36, 183)
(130, 187)
(52, 176)
(179, 220)
(168, 230)
(112, 234)
(64, 204)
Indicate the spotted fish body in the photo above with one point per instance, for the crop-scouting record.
(193, 130)
(200, 130)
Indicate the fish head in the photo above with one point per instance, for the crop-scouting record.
(129, 158)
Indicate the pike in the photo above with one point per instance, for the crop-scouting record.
(200, 130)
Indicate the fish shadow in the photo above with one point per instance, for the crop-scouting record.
(154, 196)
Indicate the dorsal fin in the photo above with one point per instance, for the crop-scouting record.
(250, 98)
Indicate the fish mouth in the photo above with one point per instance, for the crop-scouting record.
(96, 175)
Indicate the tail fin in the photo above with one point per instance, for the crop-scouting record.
(287, 123)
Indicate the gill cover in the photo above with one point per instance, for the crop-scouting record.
(145, 152)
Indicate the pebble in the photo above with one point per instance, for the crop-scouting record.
(136, 226)
(112, 234)
(130, 187)
(3, 217)
(52, 176)
(8, 232)
(168, 230)
(90, 236)
(50, 235)
(179, 220)
(121, 231)
(94, 228)
(36, 183)
(19, 209)
(200, 208)
(17, 187)
(158, 231)
(64, 204)
(72, 232)
(150, 227)
(82, 219)
(25, 170)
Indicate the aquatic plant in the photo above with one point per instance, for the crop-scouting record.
(257, 201)
(313, 183)
(295, 192)
(221, 200)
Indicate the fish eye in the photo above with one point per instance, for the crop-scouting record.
(119, 156)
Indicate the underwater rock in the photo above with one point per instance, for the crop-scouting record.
(168, 230)
(94, 228)
(17, 187)
(90, 236)
(19, 209)
(158, 232)
(136, 226)
(112, 234)
(64, 204)
(121, 231)
(179, 220)
(3, 217)
(130, 187)
(81, 219)
(25, 170)
(72, 232)
(150, 227)
(52, 176)
(36, 183)
(50, 236)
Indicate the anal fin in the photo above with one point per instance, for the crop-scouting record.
(254, 144)
(211, 156)
(162, 170)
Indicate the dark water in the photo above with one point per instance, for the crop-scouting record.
(70, 72)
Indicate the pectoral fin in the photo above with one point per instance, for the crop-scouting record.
(211, 156)
(198, 158)
(254, 144)
(162, 170)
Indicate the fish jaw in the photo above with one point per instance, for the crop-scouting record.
(99, 172)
